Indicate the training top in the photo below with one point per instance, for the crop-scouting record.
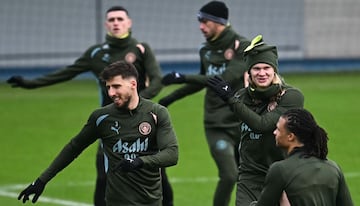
(223, 56)
(307, 181)
(98, 56)
(257, 149)
(145, 132)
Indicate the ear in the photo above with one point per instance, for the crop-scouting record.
(291, 137)
(130, 23)
(246, 79)
(249, 79)
(133, 83)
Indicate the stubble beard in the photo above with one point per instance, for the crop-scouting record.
(125, 104)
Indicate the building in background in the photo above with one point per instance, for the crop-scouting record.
(41, 35)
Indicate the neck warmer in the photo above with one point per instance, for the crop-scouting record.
(120, 43)
(222, 40)
(270, 93)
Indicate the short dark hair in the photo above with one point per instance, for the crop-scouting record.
(122, 68)
(117, 8)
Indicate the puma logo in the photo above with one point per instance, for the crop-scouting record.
(116, 128)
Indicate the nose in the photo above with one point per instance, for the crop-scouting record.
(201, 26)
(262, 72)
(111, 91)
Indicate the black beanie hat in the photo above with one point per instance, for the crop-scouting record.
(215, 11)
(259, 52)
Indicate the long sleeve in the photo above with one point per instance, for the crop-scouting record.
(166, 140)
(153, 73)
(292, 98)
(273, 187)
(343, 197)
(234, 72)
(70, 151)
(81, 65)
(306, 181)
(184, 91)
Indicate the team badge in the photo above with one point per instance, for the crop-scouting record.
(145, 128)
(130, 57)
(229, 54)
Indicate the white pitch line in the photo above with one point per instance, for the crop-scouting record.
(352, 174)
(45, 199)
(5, 190)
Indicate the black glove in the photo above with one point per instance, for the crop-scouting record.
(36, 188)
(166, 101)
(173, 78)
(220, 87)
(19, 81)
(128, 165)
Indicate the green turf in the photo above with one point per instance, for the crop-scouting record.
(35, 124)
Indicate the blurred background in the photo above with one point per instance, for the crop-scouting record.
(41, 35)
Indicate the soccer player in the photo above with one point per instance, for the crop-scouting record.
(306, 175)
(257, 107)
(119, 45)
(221, 54)
(137, 137)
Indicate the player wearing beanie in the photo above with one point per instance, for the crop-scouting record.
(258, 107)
(221, 54)
(215, 11)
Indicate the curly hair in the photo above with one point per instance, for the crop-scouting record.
(302, 123)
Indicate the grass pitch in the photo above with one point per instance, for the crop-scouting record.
(36, 124)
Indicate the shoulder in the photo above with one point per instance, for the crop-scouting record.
(94, 49)
(280, 164)
(334, 165)
(156, 107)
(98, 45)
(144, 47)
(241, 43)
(149, 106)
(285, 166)
(159, 112)
(99, 114)
(277, 167)
(292, 94)
(202, 46)
(110, 108)
(289, 90)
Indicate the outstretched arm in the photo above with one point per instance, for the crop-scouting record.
(62, 160)
(180, 93)
(81, 65)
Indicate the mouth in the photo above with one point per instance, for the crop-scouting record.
(262, 78)
(116, 30)
(116, 100)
